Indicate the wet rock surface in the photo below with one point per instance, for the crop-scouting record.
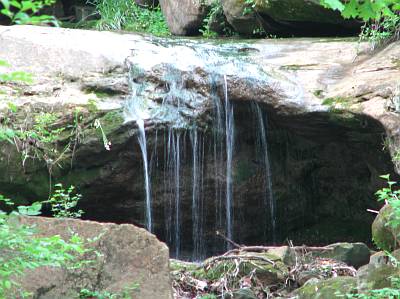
(325, 101)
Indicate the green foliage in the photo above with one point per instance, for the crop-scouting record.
(64, 201)
(385, 293)
(215, 11)
(216, 20)
(391, 197)
(385, 29)
(14, 76)
(7, 134)
(381, 17)
(126, 15)
(21, 250)
(43, 129)
(250, 6)
(87, 294)
(124, 294)
(364, 9)
(27, 11)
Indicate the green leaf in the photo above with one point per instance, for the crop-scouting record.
(333, 4)
(385, 176)
(350, 10)
(32, 210)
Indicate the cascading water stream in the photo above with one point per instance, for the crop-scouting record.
(218, 151)
(197, 204)
(172, 184)
(229, 129)
(185, 199)
(136, 109)
(262, 145)
(177, 169)
(143, 148)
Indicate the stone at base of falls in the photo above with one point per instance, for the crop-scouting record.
(383, 235)
(326, 289)
(128, 256)
(376, 275)
(243, 294)
(370, 277)
(353, 254)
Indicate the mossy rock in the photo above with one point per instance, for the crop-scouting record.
(327, 289)
(383, 235)
(243, 294)
(353, 254)
(267, 273)
(177, 265)
(371, 277)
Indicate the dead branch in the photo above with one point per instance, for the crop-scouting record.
(240, 257)
(219, 234)
(266, 248)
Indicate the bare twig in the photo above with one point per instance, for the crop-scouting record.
(240, 257)
(219, 234)
(266, 248)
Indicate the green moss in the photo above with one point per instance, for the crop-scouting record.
(328, 289)
(396, 62)
(376, 276)
(382, 234)
(296, 67)
(343, 102)
(318, 93)
(177, 265)
(265, 272)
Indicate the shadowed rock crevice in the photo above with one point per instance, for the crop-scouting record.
(324, 166)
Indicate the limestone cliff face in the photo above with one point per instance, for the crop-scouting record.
(326, 106)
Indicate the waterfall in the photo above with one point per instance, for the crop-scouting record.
(136, 109)
(143, 148)
(197, 200)
(177, 169)
(262, 149)
(188, 225)
(218, 150)
(229, 129)
(172, 184)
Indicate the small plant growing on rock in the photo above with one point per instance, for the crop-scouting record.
(392, 198)
(21, 250)
(63, 202)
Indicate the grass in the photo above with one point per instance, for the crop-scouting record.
(126, 15)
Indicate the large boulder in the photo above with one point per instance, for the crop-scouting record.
(326, 289)
(385, 236)
(125, 259)
(353, 254)
(376, 276)
(184, 17)
(283, 16)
